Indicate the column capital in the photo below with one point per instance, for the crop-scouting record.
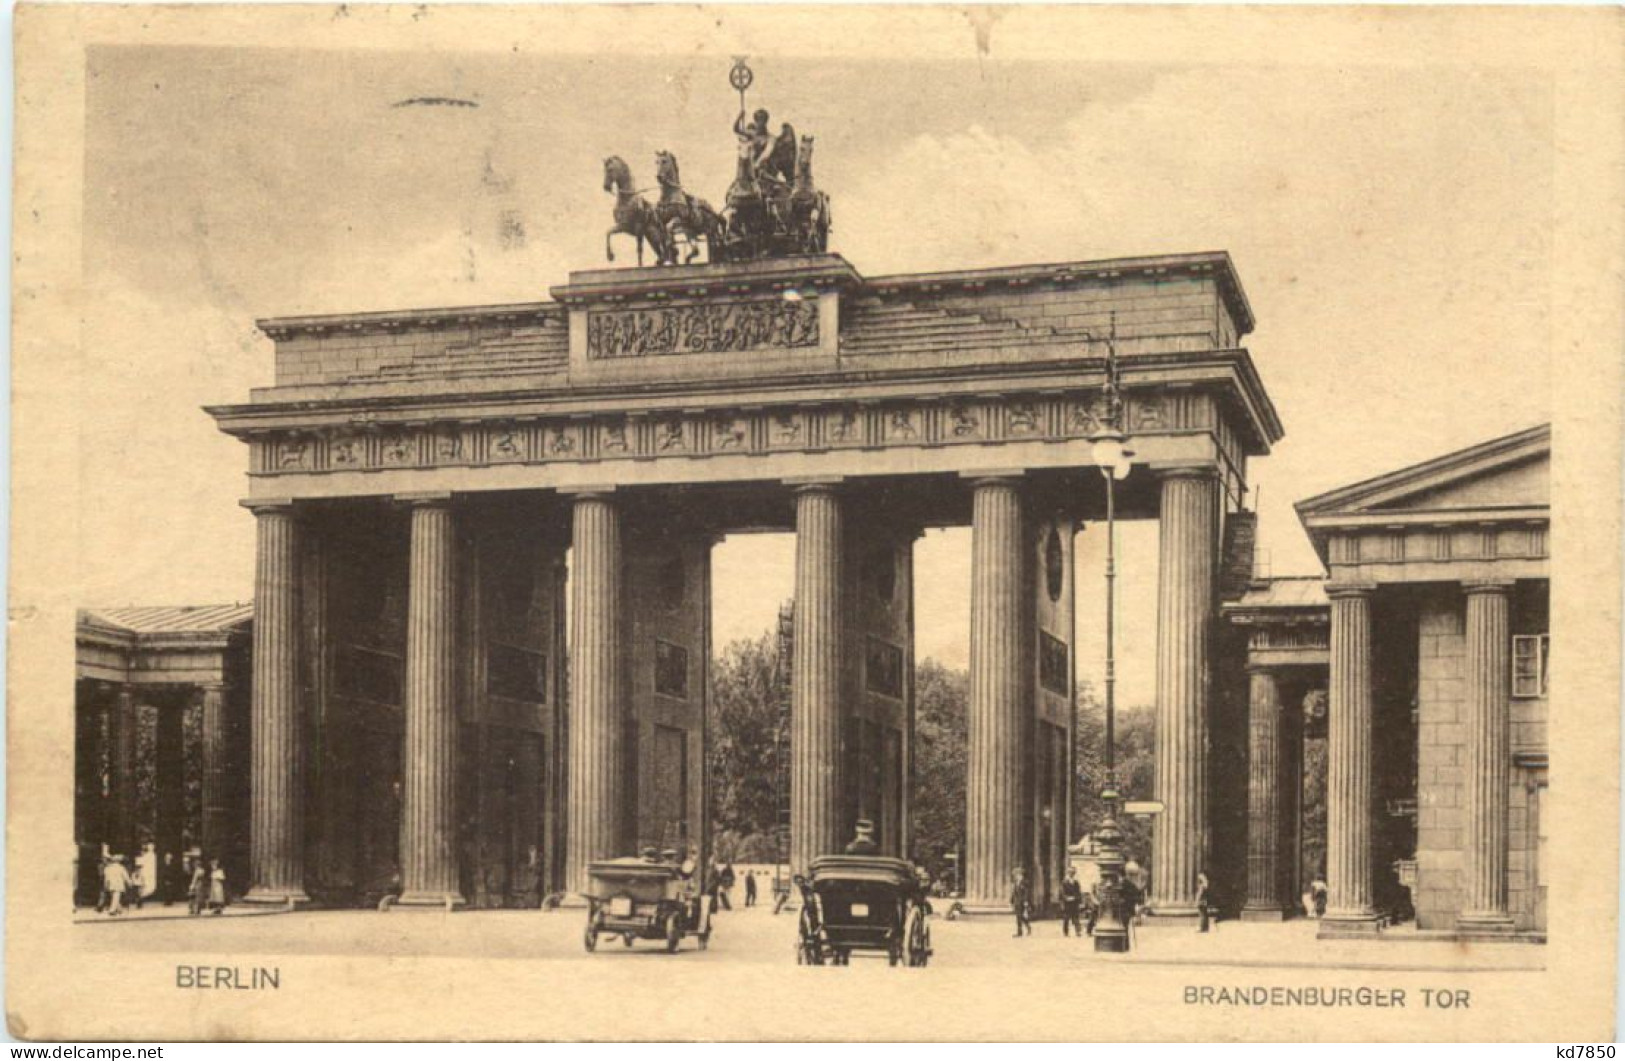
(264, 506)
(814, 484)
(426, 499)
(1497, 586)
(601, 492)
(1350, 590)
(1184, 470)
(1007, 476)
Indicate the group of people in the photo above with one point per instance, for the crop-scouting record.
(1081, 908)
(127, 883)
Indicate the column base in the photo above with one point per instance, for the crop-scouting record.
(1350, 924)
(1112, 940)
(264, 896)
(1484, 925)
(1263, 912)
(430, 901)
(982, 908)
(1171, 913)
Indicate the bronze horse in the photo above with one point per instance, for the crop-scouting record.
(809, 207)
(683, 217)
(634, 216)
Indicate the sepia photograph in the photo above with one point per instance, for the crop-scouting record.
(791, 523)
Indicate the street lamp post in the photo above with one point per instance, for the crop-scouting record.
(1114, 459)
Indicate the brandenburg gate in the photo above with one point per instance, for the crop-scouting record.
(439, 711)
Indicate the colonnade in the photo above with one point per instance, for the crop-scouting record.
(1003, 676)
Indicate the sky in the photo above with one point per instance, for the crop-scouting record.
(1391, 225)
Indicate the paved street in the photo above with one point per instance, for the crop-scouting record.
(756, 936)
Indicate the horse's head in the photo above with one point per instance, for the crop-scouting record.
(666, 169)
(616, 174)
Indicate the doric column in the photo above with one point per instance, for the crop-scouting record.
(597, 805)
(999, 705)
(815, 678)
(1348, 767)
(276, 864)
(1486, 770)
(429, 806)
(1188, 544)
(126, 722)
(1263, 798)
(217, 823)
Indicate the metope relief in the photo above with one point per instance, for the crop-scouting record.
(701, 329)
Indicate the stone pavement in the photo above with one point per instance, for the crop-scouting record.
(756, 936)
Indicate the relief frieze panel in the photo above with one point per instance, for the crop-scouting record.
(701, 328)
(695, 433)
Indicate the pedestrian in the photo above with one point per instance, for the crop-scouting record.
(725, 883)
(1091, 909)
(1204, 901)
(750, 888)
(133, 889)
(1021, 903)
(217, 887)
(1129, 898)
(200, 887)
(115, 883)
(1071, 903)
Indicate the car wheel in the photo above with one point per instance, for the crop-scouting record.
(626, 938)
(590, 939)
(674, 934)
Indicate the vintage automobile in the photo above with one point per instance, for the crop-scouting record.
(862, 903)
(639, 898)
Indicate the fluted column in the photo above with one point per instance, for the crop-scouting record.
(597, 805)
(1488, 755)
(996, 775)
(125, 724)
(429, 807)
(1188, 545)
(276, 864)
(216, 838)
(1348, 768)
(1263, 798)
(815, 678)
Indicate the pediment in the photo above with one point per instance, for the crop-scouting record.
(1512, 472)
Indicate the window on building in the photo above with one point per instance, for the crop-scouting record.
(1529, 664)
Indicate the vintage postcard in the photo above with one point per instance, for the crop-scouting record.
(804, 523)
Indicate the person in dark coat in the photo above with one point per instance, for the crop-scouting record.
(863, 840)
(1021, 903)
(1204, 901)
(1071, 903)
(750, 889)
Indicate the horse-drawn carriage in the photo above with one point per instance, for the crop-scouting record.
(862, 903)
(636, 898)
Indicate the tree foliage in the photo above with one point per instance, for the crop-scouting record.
(942, 697)
(745, 704)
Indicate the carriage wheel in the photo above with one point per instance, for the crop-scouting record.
(590, 939)
(674, 934)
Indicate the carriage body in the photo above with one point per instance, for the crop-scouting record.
(637, 899)
(862, 903)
